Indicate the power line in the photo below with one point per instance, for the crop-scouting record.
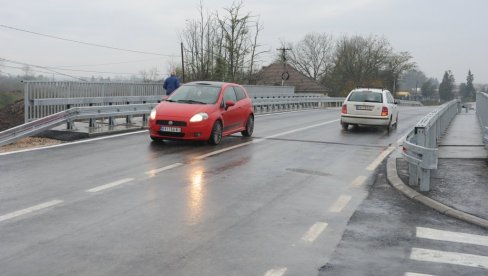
(42, 67)
(104, 64)
(86, 43)
(65, 69)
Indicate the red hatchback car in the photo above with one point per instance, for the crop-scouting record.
(204, 111)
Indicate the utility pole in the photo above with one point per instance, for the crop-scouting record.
(285, 75)
(182, 65)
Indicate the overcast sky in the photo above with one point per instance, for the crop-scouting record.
(440, 34)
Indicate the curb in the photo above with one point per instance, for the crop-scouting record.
(398, 184)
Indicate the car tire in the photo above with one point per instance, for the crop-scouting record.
(216, 134)
(389, 126)
(249, 127)
(344, 126)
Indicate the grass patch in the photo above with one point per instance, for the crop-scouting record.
(7, 98)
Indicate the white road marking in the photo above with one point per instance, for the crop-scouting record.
(314, 231)
(358, 181)
(169, 167)
(433, 234)
(109, 185)
(417, 274)
(380, 159)
(436, 256)
(340, 203)
(30, 209)
(300, 129)
(261, 139)
(222, 150)
(276, 272)
(74, 143)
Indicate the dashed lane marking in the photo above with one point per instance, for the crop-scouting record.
(358, 181)
(30, 210)
(261, 139)
(340, 203)
(169, 167)
(436, 256)
(109, 185)
(441, 235)
(276, 272)
(314, 231)
(417, 274)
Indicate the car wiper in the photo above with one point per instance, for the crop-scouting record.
(168, 100)
(371, 101)
(191, 102)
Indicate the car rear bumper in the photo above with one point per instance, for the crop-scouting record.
(365, 120)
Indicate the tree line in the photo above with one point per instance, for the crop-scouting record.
(224, 47)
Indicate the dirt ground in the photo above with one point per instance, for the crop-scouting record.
(13, 115)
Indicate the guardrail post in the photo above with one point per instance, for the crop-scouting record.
(424, 174)
(413, 170)
(128, 118)
(69, 124)
(111, 121)
(144, 117)
(91, 122)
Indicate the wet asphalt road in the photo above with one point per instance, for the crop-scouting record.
(390, 234)
(278, 202)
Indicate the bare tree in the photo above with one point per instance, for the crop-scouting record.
(312, 56)
(397, 64)
(221, 46)
(358, 61)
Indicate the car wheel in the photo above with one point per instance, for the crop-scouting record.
(216, 135)
(388, 127)
(344, 126)
(249, 127)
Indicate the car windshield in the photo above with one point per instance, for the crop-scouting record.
(195, 94)
(366, 96)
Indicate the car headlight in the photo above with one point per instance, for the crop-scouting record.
(152, 116)
(199, 117)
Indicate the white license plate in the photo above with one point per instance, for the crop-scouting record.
(364, 107)
(170, 129)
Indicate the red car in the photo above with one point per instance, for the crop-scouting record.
(204, 111)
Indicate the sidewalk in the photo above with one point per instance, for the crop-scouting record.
(459, 186)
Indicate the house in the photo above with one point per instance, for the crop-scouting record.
(276, 74)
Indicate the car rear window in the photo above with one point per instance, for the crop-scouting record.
(366, 96)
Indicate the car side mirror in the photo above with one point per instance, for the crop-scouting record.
(396, 102)
(229, 103)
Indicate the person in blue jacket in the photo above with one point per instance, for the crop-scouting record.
(171, 83)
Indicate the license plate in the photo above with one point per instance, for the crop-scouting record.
(364, 107)
(170, 129)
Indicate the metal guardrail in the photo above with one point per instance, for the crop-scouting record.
(482, 112)
(282, 103)
(69, 116)
(91, 113)
(420, 146)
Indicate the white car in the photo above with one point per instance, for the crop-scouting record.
(369, 106)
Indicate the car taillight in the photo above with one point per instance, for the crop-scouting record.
(384, 111)
(344, 109)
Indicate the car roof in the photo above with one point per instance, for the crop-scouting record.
(377, 90)
(214, 83)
